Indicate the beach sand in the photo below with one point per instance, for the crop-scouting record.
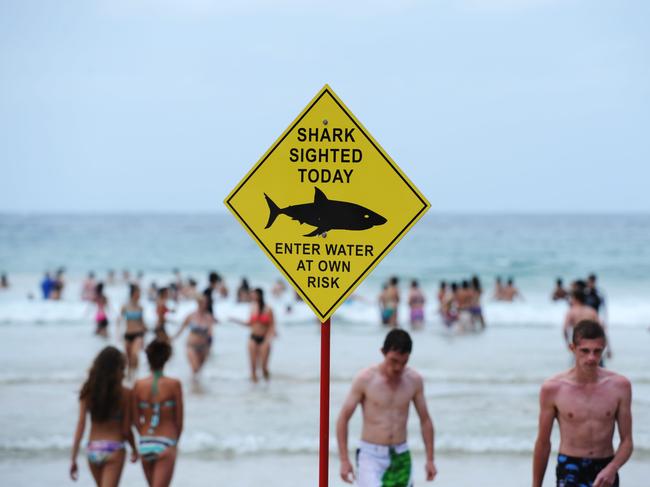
(302, 471)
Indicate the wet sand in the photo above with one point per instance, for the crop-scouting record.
(302, 470)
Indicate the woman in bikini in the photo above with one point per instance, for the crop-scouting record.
(108, 403)
(161, 313)
(262, 324)
(158, 416)
(199, 342)
(135, 330)
(101, 315)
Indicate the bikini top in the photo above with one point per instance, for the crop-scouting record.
(199, 329)
(155, 406)
(132, 315)
(261, 318)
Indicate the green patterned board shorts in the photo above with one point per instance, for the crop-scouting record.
(383, 466)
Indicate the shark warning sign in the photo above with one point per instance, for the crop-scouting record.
(326, 203)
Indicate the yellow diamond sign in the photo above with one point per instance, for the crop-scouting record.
(326, 203)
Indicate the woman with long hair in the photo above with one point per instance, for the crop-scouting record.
(135, 329)
(109, 405)
(262, 325)
(201, 323)
(158, 416)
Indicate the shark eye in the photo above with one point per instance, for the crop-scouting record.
(366, 216)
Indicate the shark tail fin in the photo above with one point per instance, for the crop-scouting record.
(274, 211)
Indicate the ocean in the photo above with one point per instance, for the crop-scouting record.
(482, 389)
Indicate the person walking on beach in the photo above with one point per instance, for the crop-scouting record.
(262, 325)
(416, 305)
(109, 405)
(158, 416)
(199, 342)
(132, 314)
(385, 392)
(588, 402)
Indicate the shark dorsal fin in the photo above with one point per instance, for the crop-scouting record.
(319, 196)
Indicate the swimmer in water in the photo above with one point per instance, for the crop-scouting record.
(475, 309)
(416, 302)
(88, 288)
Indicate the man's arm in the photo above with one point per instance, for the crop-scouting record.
(350, 404)
(566, 326)
(624, 450)
(543, 442)
(426, 426)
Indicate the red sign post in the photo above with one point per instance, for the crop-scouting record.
(324, 449)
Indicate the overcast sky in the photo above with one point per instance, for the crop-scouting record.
(487, 105)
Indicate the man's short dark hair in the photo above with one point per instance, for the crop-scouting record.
(397, 341)
(588, 330)
(214, 278)
(579, 295)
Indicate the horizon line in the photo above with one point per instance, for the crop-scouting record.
(218, 212)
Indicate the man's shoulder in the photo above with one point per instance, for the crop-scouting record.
(618, 380)
(413, 375)
(554, 383)
(364, 376)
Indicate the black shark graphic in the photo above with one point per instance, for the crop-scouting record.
(327, 215)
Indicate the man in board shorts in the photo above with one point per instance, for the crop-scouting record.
(588, 402)
(385, 392)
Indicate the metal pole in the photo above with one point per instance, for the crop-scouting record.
(323, 452)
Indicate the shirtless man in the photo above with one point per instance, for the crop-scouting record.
(578, 311)
(587, 401)
(510, 292)
(385, 392)
(391, 297)
(559, 293)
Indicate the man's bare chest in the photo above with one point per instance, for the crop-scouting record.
(575, 405)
